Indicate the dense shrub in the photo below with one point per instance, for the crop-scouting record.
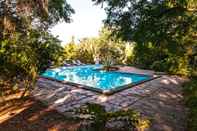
(26, 46)
(190, 90)
(173, 65)
(23, 58)
(161, 59)
(98, 118)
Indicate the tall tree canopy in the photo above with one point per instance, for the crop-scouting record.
(26, 45)
(20, 15)
(165, 31)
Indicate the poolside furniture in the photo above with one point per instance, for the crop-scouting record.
(79, 62)
(75, 63)
(66, 64)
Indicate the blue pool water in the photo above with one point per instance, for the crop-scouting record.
(88, 76)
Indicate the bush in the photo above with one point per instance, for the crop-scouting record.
(173, 65)
(190, 91)
(149, 56)
(99, 117)
(23, 58)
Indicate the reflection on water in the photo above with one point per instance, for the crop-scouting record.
(86, 75)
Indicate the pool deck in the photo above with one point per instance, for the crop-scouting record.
(160, 99)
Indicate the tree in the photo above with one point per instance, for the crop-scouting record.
(23, 15)
(164, 30)
(26, 46)
(105, 46)
(70, 50)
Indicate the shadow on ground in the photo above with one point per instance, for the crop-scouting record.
(31, 115)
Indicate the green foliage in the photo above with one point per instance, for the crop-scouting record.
(47, 48)
(22, 58)
(108, 48)
(59, 10)
(70, 50)
(89, 47)
(26, 46)
(164, 32)
(190, 90)
(112, 49)
(100, 117)
(129, 53)
(108, 54)
(161, 60)
(20, 54)
(23, 15)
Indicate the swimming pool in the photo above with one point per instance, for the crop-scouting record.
(89, 77)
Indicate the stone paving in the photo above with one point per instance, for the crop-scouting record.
(160, 99)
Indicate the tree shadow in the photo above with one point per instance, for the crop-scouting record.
(165, 106)
(32, 115)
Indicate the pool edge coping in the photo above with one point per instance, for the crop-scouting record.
(105, 92)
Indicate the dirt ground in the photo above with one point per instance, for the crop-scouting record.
(31, 115)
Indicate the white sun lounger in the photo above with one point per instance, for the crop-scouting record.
(79, 62)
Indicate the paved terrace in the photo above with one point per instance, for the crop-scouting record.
(160, 99)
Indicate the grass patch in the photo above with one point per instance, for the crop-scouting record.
(190, 91)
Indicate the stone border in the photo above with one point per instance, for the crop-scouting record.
(106, 92)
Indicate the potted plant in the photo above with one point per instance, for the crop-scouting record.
(108, 60)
